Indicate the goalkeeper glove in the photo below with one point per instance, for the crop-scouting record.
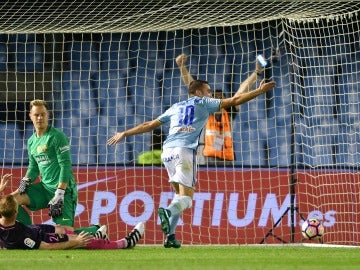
(56, 204)
(24, 183)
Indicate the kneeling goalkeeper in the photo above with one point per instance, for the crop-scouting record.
(49, 159)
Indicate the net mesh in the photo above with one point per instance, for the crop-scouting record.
(106, 66)
(148, 16)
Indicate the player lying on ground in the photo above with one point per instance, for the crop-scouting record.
(24, 218)
(15, 235)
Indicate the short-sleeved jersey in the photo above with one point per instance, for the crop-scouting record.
(187, 119)
(49, 156)
(20, 236)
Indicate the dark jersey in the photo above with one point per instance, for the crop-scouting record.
(20, 236)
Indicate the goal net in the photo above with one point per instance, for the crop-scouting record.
(108, 67)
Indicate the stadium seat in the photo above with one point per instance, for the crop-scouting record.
(13, 38)
(216, 70)
(69, 124)
(348, 98)
(282, 113)
(319, 100)
(141, 143)
(83, 148)
(174, 43)
(78, 96)
(81, 56)
(212, 61)
(310, 50)
(137, 143)
(279, 144)
(29, 57)
(267, 38)
(24, 53)
(120, 154)
(240, 40)
(280, 107)
(112, 94)
(102, 123)
(144, 46)
(12, 144)
(242, 66)
(114, 55)
(339, 44)
(317, 144)
(249, 145)
(29, 131)
(317, 114)
(137, 93)
(281, 73)
(144, 93)
(81, 135)
(348, 146)
(253, 111)
(210, 41)
(3, 57)
(145, 54)
(149, 64)
(241, 50)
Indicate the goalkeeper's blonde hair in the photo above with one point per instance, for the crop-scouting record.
(38, 102)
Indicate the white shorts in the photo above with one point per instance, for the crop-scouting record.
(180, 164)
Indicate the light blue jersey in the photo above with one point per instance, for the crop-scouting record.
(187, 119)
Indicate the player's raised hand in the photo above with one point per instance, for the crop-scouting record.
(116, 138)
(266, 86)
(181, 59)
(4, 180)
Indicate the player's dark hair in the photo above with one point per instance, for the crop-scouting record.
(196, 85)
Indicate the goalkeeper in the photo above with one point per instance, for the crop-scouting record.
(50, 158)
(16, 235)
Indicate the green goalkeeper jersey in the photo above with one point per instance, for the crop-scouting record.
(50, 157)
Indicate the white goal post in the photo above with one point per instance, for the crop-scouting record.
(104, 66)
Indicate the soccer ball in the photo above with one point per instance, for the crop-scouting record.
(312, 229)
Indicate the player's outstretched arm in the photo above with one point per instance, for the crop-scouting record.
(75, 241)
(142, 128)
(240, 98)
(246, 85)
(185, 74)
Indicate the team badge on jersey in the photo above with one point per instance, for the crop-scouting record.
(29, 242)
(41, 149)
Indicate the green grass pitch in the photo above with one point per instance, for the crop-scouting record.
(187, 257)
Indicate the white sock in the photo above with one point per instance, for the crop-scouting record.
(179, 204)
(174, 219)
